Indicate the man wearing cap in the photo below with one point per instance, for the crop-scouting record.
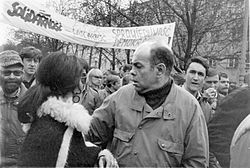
(12, 88)
(31, 57)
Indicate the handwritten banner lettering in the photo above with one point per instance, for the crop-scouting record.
(27, 15)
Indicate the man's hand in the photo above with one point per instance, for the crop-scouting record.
(210, 93)
(106, 159)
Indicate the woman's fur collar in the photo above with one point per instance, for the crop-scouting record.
(72, 114)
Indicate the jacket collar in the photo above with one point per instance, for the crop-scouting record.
(65, 111)
(138, 103)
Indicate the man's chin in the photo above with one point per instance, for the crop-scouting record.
(11, 89)
(31, 73)
(195, 89)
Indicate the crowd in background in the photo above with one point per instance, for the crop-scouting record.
(57, 111)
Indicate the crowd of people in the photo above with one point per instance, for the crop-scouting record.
(56, 111)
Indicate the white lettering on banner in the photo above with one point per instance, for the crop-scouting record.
(29, 16)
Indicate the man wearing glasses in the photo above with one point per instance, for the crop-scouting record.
(11, 90)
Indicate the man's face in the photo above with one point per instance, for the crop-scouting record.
(223, 85)
(211, 82)
(11, 78)
(143, 74)
(30, 65)
(195, 76)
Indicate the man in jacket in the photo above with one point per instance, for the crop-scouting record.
(210, 90)
(196, 71)
(113, 83)
(11, 90)
(152, 122)
(31, 57)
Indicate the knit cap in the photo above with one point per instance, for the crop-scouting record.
(10, 57)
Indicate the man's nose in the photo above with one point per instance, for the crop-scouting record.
(132, 72)
(12, 75)
(32, 62)
(213, 85)
(196, 76)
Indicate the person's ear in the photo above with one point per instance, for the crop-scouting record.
(161, 69)
(81, 85)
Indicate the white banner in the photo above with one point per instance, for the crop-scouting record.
(30, 16)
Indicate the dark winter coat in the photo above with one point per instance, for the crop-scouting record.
(229, 114)
(240, 146)
(56, 137)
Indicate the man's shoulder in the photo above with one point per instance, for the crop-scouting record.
(183, 92)
(126, 88)
(124, 91)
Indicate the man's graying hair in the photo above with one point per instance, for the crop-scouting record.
(162, 54)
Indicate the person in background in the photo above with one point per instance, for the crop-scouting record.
(125, 74)
(55, 138)
(89, 98)
(178, 76)
(12, 89)
(125, 69)
(112, 72)
(242, 81)
(223, 87)
(126, 79)
(196, 71)
(152, 122)
(232, 86)
(31, 57)
(94, 79)
(229, 114)
(211, 79)
(210, 90)
(113, 83)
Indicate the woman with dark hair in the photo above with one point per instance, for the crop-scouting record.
(56, 135)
